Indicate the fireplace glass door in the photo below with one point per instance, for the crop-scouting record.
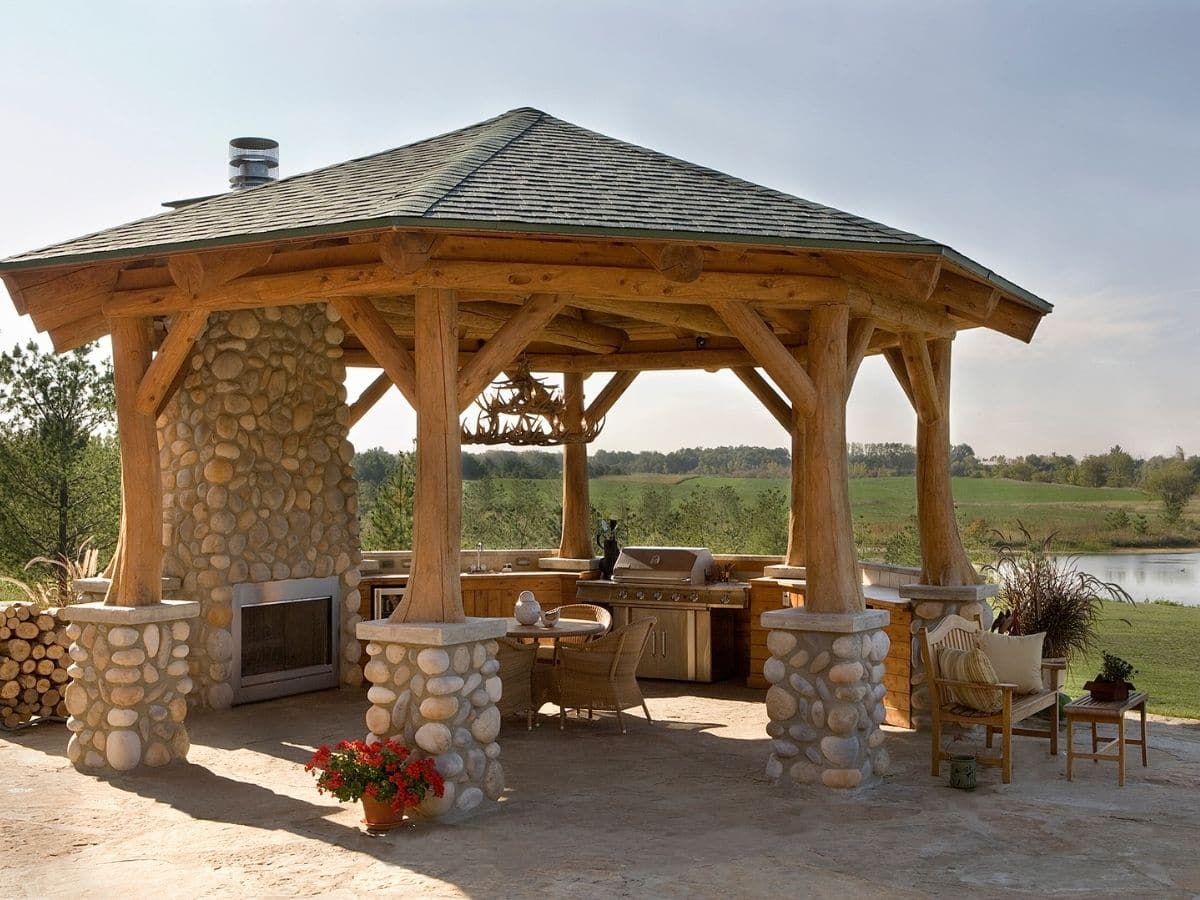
(289, 636)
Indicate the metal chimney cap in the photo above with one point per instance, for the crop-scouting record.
(253, 161)
(252, 143)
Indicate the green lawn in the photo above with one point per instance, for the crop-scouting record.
(1161, 644)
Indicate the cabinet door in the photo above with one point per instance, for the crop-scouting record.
(669, 651)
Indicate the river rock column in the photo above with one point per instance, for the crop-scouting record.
(129, 682)
(434, 688)
(931, 604)
(825, 702)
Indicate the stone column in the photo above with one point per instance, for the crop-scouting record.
(129, 674)
(434, 687)
(826, 696)
(931, 604)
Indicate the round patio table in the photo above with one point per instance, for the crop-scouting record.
(561, 629)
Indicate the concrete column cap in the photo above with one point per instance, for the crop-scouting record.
(432, 634)
(166, 611)
(799, 619)
(963, 593)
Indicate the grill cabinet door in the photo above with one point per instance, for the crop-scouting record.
(670, 652)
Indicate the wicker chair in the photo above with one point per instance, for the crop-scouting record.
(602, 674)
(586, 611)
(960, 634)
(516, 675)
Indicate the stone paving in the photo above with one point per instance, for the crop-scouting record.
(678, 808)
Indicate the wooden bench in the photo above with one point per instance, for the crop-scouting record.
(957, 632)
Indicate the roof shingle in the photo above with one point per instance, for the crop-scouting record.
(523, 168)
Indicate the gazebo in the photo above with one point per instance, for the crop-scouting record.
(441, 263)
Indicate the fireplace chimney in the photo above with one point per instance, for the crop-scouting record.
(253, 161)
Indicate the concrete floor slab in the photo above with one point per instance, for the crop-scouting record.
(677, 808)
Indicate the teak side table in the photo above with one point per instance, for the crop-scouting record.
(1112, 713)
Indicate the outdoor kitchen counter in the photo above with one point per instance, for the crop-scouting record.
(491, 594)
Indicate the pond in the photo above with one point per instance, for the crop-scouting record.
(1149, 576)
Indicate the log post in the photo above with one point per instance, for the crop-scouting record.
(576, 504)
(796, 549)
(434, 591)
(137, 566)
(833, 582)
(944, 562)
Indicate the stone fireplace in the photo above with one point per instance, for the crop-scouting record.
(257, 478)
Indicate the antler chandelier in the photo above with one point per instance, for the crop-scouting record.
(525, 411)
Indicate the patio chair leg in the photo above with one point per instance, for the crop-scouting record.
(562, 718)
(1006, 750)
(646, 710)
(1054, 730)
(988, 739)
(621, 722)
(935, 737)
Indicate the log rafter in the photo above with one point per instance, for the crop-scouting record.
(512, 337)
(764, 345)
(609, 394)
(156, 385)
(377, 336)
(767, 395)
(371, 395)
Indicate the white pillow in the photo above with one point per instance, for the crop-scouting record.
(1017, 660)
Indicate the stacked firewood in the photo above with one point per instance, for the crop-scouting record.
(33, 663)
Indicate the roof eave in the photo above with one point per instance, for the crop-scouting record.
(502, 227)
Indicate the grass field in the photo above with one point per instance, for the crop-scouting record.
(884, 505)
(1160, 641)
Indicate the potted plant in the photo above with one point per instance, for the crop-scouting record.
(1112, 684)
(383, 775)
(1041, 592)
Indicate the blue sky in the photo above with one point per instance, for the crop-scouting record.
(1058, 144)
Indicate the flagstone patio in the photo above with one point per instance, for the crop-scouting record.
(675, 808)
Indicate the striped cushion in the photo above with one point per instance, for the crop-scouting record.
(969, 665)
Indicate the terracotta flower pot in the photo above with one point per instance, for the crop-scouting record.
(379, 816)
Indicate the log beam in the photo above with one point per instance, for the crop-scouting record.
(858, 341)
(609, 394)
(895, 361)
(915, 350)
(371, 395)
(626, 284)
(156, 386)
(499, 352)
(137, 566)
(943, 559)
(672, 315)
(681, 263)
(576, 542)
(195, 274)
(405, 252)
(767, 396)
(434, 588)
(64, 299)
(834, 585)
(381, 342)
(764, 345)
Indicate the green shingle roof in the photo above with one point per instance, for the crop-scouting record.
(523, 170)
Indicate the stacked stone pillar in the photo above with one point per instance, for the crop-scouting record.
(434, 687)
(930, 605)
(825, 702)
(129, 683)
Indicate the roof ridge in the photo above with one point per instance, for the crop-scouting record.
(472, 166)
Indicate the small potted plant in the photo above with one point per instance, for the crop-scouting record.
(382, 775)
(1112, 684)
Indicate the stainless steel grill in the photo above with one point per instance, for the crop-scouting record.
(670, 583)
